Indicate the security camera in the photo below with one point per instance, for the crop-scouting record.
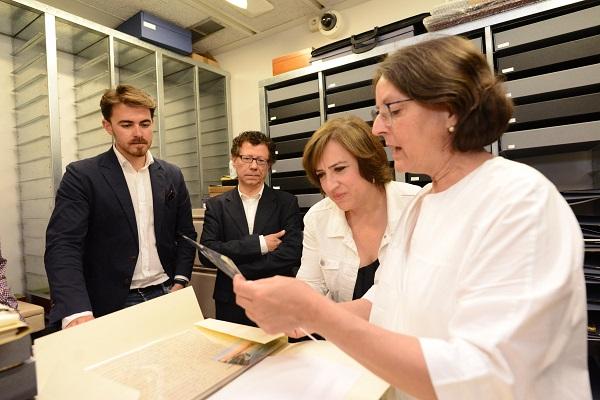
(330, 23)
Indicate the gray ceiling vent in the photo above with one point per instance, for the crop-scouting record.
(205, 28)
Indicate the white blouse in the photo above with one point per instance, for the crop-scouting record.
(489, 278)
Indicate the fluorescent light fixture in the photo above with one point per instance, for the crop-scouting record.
(239, 3)
(252, 8)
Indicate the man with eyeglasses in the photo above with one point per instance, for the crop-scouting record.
(258, 227)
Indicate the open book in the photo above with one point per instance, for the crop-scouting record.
(164, 349)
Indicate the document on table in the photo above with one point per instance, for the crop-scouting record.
(161, 369)
(159, 350)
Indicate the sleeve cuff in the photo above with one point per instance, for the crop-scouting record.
(183, 278)
(67, 320)
(263, 245)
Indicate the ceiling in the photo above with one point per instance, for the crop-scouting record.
(238, 28)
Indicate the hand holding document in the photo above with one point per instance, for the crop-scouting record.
(223, 263)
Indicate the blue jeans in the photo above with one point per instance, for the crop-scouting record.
(137, 296)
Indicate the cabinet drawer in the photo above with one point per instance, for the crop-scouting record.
(478, 43)
(308, 200)
(295, 146)
(289, 92)
(289, 165)
(352, 76)
(560, 80)
(550, 55)
(291, 184)
(294, 109)
(559, 108)
(361, 94)
(363, 113)
(295, 127)
(552, 136)
(551, 27)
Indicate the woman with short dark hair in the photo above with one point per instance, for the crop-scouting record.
(346, 233)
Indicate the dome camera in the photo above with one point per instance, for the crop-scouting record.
(330, 23)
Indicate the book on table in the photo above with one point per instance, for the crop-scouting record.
(164, 348)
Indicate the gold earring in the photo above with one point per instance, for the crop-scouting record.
(451, 129)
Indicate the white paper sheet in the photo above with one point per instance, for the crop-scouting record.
(292, 377)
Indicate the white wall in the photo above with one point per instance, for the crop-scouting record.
(10, 222)
(252, 63)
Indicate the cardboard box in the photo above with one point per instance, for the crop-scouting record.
(217, 190)
(204, 59)
(292, 61)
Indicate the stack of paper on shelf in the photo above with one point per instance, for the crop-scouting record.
(17, 368)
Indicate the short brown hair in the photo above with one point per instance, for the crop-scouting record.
(254, 138)
(128, 95)
(354, 135)
(449, 72)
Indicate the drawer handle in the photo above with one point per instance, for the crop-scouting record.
(507, 70)
(331, 105)
(511, 146)
(503, 45)
(512, 120)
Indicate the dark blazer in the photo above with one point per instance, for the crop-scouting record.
(226, 231)
(92, 239)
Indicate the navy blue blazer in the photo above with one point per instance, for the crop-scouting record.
(226, 230)
(92, 239)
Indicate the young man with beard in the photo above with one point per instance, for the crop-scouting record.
(112, 239)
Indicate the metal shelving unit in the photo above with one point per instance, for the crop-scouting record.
(61, 64)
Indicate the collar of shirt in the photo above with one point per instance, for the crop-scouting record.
(124, 163)
(257, 196)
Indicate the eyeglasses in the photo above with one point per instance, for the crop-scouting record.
(386, 114)
(261, 162)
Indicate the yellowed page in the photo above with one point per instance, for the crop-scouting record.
(180, 367)
(114, 334)
(242, 331)
(75, 385)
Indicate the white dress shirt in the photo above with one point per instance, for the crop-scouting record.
(488, 275)
(250, 204)
(148, 269)
(330, 260)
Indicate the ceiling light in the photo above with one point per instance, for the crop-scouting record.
(239, 3)
(252, 8)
